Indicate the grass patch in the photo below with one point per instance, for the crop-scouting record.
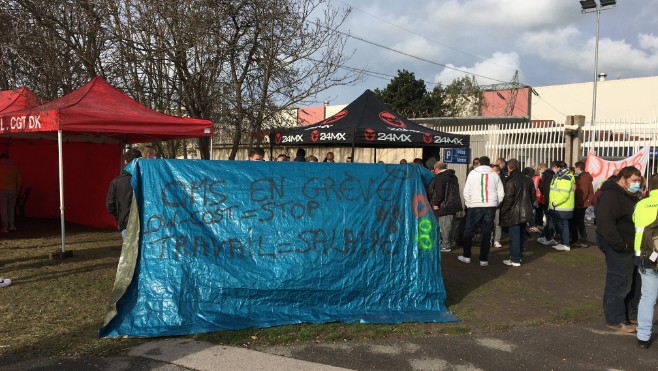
(577, 257)
(326, 332)
(573, 311)
(55, 307)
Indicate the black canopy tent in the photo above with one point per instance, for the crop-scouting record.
(366, 122)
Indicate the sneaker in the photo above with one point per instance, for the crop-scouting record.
(464, 259)
(581, 244)
(497, 244)
(561, 247)
(446, 249)
(4, 282)
(511, 263)
(623, 327)
(644, 344)
(12, 228)
(483, 263)
(546, 242)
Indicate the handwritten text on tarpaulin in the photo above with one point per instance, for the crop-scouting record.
(229, 245)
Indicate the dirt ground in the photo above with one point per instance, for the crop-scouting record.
(550, 286)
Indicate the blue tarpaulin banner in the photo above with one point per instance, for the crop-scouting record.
(216, 245)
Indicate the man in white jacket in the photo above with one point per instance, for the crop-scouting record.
(483, 192)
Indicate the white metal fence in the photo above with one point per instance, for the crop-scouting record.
(529, 142)
(622, 138)
(544, 141)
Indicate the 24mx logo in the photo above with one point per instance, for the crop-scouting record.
(394, 137)
(332, 136)
(292, 138)
(456, 141)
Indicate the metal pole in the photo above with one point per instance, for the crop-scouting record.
(596, 73)
(61, 188)
(211, 151)
(353, 142)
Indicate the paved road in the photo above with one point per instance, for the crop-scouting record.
(555, 347)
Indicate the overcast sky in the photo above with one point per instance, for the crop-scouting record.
(548, 41)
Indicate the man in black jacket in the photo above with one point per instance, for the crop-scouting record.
(446, 202)
(120, 194)
(546, 236)
(615, 235)
(516, 210)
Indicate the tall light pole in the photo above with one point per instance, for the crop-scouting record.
(591, 6)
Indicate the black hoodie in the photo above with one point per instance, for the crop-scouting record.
(545, 184)
(614, 216)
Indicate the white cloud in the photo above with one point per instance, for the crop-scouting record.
(648, 41)
(619, 57)
(553, 45)
(501, 16)
(498, 66)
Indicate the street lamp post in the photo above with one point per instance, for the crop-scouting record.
(591, 6)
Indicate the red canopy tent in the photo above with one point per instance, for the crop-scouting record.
(70, 148)
(13, 100)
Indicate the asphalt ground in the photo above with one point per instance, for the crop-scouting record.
(582, 346)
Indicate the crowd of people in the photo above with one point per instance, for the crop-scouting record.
(258, 154)
(552, 201)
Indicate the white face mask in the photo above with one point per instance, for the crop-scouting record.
(634, 187)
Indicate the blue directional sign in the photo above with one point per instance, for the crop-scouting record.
(456, 155)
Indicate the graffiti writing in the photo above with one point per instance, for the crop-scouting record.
(219, 217)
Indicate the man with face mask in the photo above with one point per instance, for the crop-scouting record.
(615, 235)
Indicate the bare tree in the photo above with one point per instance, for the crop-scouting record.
(236, 62)
(51, 46)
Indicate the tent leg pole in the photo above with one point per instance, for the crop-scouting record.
(353, 143)
(61, 187)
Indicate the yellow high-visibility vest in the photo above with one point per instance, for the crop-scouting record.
(562, 196)
(644, 216)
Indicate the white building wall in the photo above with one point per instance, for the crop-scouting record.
(616, 99)
(332, 110)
